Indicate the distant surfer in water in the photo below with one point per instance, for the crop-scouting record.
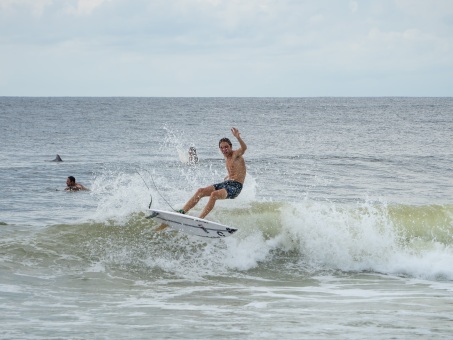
(232, 185)
(71, 185)
(193, 157)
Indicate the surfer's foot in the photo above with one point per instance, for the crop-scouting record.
(181, 211)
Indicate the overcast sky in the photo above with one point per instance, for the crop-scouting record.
(224, 48)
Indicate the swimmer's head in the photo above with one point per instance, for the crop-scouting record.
(70, 181)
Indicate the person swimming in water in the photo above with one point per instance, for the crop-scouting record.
(71, 185)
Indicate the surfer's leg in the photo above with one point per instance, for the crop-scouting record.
(202, 192)
(215, 195)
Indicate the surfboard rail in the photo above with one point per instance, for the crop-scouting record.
(192, 225)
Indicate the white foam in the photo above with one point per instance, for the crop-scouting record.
(6, 288)
(358, 238)
(119, 195)
(324, 235)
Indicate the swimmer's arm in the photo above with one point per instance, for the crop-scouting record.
(81, 187)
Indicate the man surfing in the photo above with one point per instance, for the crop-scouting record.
(232, 186)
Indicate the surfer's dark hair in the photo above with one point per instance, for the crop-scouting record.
(225, 140)
(72, 178)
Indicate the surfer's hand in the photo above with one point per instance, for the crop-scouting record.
(235, 132)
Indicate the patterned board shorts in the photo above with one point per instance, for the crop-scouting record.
(233, 188)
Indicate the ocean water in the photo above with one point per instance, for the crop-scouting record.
(345, 220)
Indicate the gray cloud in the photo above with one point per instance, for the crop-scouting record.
(226, 48)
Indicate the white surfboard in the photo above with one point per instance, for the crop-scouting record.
(192, 225)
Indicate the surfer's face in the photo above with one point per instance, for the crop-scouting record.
(225, 148)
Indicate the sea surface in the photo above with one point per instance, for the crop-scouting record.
(345, 220)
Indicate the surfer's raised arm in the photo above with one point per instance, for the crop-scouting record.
(243, 146)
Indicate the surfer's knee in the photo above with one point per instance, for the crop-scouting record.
(201, 192)
(218, 194)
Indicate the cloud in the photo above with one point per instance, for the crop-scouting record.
(85, 7)
(37, 7)
(426, 9)
(220, 47)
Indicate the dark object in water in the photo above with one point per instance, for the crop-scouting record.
(57, 159)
